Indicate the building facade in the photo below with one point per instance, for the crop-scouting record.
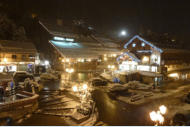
(17, 56)
(145, 56)
(140, 55)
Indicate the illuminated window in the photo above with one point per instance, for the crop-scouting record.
(143, 68)
(154, 69)
(59, 38)
(145, 59)
(69, 39)
(143, 44)
(134, 45)
(13, 56)
(31, 56)
(23, 57)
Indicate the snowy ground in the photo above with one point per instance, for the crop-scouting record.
(61, 103)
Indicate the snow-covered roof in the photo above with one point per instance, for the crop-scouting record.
(91, 45)
(131, 55)
(75, 49)
(17, 47)
(147, 42)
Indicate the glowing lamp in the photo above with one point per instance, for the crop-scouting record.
(46, 62)
(75, 89)
(84, 86)
(174, 75)
(5, 59)
(163, 109)
(67, 60)
(145, 59)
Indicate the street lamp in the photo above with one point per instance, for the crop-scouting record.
(69, 70)
(5, 60)
(158, 116)
(84, 86)
(111, 67)
(75, 88)
(46, 62)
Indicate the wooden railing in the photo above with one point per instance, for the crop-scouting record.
(32, 98)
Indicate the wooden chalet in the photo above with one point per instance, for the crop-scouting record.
(142, 55)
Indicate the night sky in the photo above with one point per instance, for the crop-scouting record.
(111, 16)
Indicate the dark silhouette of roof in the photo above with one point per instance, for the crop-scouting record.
(16, 46)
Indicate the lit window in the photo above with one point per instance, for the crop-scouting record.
(145, 59)
(143, 44)
(59, 38)
(134, 45)
(13, 56)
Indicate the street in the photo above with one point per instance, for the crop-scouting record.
(111, 111)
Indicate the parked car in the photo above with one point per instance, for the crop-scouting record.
(48, 76)
(98, 82)
(181, 118)
(5, 80)
(20, 76)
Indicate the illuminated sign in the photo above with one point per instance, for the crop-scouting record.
(69, 39)
(59, 38)
(64, 44)
(63, 39)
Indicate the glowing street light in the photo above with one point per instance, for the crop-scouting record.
(63, 60)
(67, 60)
(84, 86)
(158, 117)
(46, 62)
(114, 55)
(105, 58)
(163, 109)
(69, 70)
(75, 88)
(111, 66)
(5, 59)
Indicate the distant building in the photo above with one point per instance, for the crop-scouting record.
(62, 42)
(17, 56)
(146, 56)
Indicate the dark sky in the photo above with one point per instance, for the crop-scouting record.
(111, 16)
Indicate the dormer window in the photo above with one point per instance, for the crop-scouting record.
(143, 44)
(133, 44)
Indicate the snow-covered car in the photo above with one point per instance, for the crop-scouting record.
(181, 118)
(48, 76)
(118, 88)
(98, 82)
(20, 76)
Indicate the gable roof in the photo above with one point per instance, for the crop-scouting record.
(141, 39)
(91, 45)
(131, 55)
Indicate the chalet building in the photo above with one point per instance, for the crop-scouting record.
(66, 43)
(157, 58)
(17, 56)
